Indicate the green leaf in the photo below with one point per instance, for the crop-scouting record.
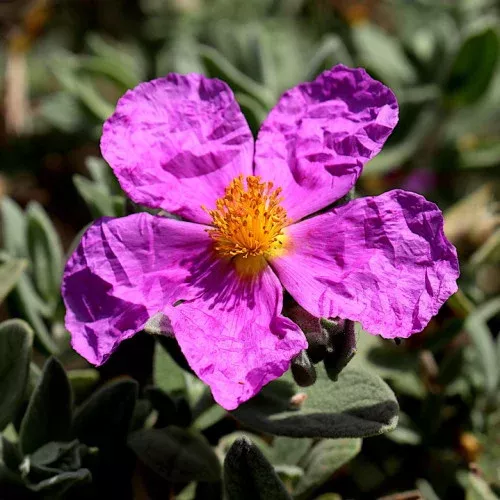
(209, 417)
(65, 70)
(13, 228)
(392, 363)
(322, 461)
(426, 490)
(406, 432)
(473, 67)
(490, 455)
(331, 51)
(227, 441)
(484, 155)
(48, 417)
(360, 404)
(289, 450)
(248, 475)
(484, 345)
(395, 155)
(176, 454)
(218, 66)
(83, 381)
(33, 309)
(16, 338)
(382, 54)
(49, 462)
(56, 486)
(52, 452)
(45, 252)
(62, 111)
(122, 63)
(10, 273)
(478, 489)
(104, 419)
(97, 199)
(102, 174)
(167, 374)
(253, 110)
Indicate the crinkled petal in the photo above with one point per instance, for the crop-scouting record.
(319, 136)
(232, 333)
(383, 261)
(124, 271)
(177, 142)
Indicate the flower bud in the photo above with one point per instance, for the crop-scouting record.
(343, 343)
(303, 370)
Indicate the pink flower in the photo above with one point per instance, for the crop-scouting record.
(181, 143)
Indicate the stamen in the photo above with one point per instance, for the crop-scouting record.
(248, 221)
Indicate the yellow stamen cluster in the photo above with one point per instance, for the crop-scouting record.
(248, 220)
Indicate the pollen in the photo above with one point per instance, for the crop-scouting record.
(248, 222)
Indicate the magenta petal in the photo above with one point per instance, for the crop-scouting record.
(383, 261)
(124, 271)
(319, 136)
(176, 143)
(233, 334)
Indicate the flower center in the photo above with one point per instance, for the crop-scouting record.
(248, 223)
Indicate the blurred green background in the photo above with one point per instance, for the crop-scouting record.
(66, 62)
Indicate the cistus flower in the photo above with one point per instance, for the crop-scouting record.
(181, 143)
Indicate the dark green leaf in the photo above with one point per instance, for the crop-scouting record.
(208, 491)
(322, 461)
(473, 67)
(48, 417)
(360, 404)
(248, 475)
(176, 454)
(16, 338)
(10, 454)
(164, 405)
(104, 419)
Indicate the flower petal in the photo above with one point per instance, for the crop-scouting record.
(383, 261)
(232, 333)
(124, 271)
(176, 143)
(319, 136)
